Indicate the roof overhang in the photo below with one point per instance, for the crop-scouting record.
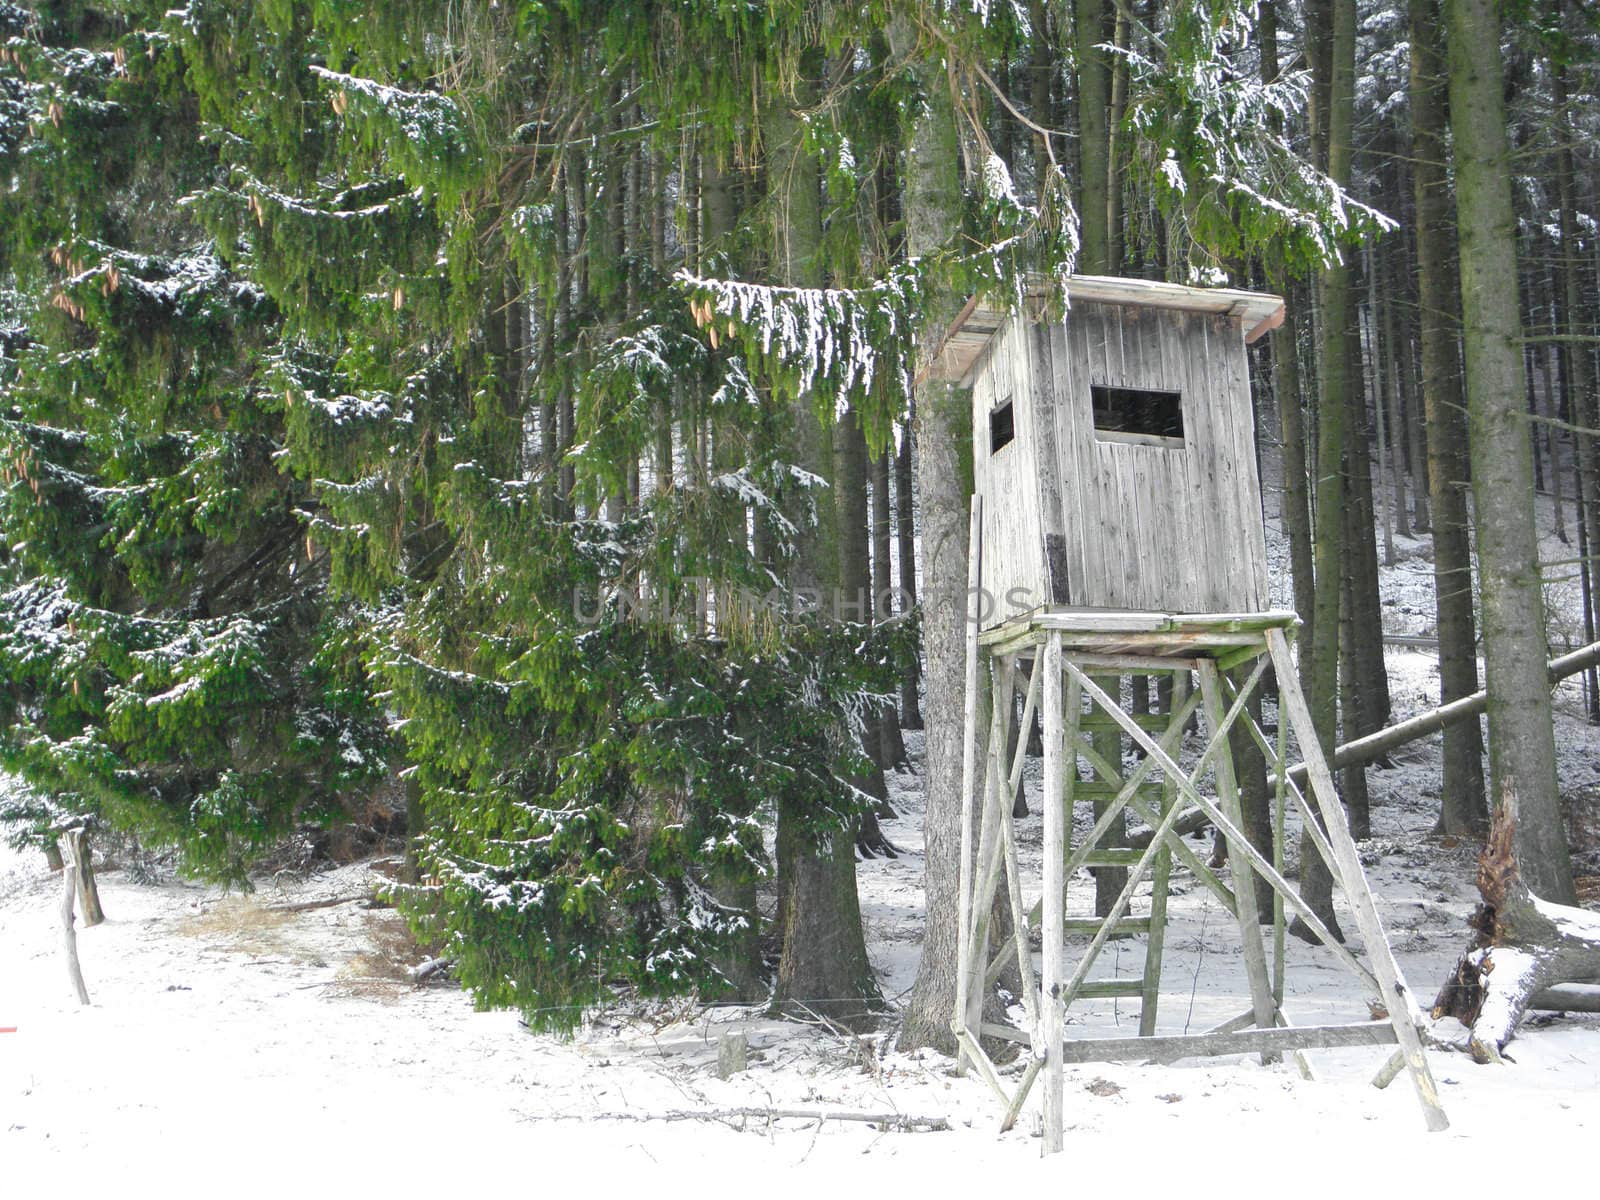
(976, 324)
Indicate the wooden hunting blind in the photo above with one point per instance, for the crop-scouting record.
(1116, 538)
(1114, 449)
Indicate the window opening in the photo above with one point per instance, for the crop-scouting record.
(1002, 427)
(1138, 411)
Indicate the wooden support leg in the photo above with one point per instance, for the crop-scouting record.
(1155, 942)
(1404, 1012)
(1244, 887)
(1054, 915)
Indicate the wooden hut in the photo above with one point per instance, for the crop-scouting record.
(1114, 450)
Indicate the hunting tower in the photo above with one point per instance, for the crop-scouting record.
(1117, 539)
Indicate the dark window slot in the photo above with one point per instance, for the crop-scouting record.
(1002, 427)
(1138, 411)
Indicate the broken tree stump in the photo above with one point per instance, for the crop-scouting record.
(1524, 946)
(72, 850)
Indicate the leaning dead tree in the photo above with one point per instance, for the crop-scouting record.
(1524, 947)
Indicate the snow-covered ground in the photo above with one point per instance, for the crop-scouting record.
(246, 1047)
(232, 1039)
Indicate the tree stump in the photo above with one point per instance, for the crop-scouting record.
(1524, 945)
(72, 851)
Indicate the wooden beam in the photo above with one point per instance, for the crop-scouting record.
(1243, 1041)
(1056, 823)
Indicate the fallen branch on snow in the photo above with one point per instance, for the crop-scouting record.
(308, 905)
(429, 967)
(740, 1117)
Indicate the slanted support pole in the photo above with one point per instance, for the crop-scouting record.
(1402, 1005)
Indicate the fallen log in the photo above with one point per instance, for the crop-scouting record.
(1375, 745)
(1525, 948)
(1189, 823)
(1568, 997)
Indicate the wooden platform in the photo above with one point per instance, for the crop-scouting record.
(1229, 638)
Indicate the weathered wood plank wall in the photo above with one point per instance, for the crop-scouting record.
(1142, 525)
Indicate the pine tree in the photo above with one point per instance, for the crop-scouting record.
(173, 661)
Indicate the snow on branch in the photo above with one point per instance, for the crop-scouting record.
(850, 346)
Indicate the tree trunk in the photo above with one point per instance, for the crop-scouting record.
(1463, 811)
(88, 889)
(823, 961)
(1331, 42)
(73, 852)
(905, 532)
(1117, 148)
(1524, 945)
(852, 600)
(1296, 508)
(823, 969)
(891, 745)
(1255, 793)
(1353, 779)
(1402, 367)
(1296, 486)
(932, 190)
(1522, 756)
(1091, 29)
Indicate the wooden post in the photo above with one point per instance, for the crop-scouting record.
(1244, 885)
(1402, 1005)
(1280, 775)
(1056, 819)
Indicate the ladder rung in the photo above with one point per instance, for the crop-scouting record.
(1149, 722)
(1112, 857)
(1091, 925)
(1098, 789)
(1108, 989)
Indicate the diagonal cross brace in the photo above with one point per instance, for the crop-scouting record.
(1219, 741)
(1229, 830)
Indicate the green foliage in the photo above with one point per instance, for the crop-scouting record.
(167, 659)
(585, 767)
(1211, 145)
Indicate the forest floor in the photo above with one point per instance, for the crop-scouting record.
(254, 1044)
